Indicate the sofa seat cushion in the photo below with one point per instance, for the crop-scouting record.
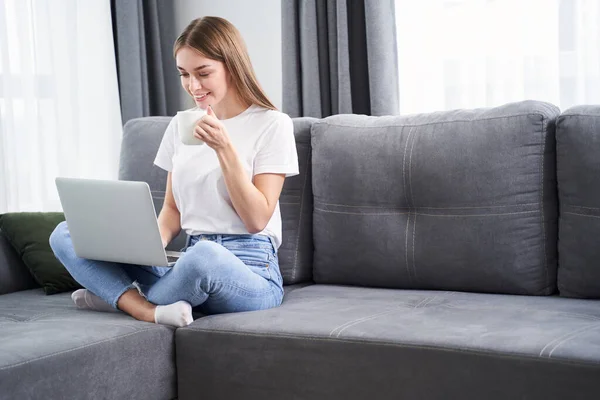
(330, 341)
(50, 349)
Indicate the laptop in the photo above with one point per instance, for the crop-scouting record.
(112, 220)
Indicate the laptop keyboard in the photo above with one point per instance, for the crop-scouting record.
(172, 259)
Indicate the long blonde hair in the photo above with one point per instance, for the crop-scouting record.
(217, 39)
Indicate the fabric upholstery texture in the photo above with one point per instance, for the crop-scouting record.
(14, 275)
(296, 204)
(578, 174)
(328, 341)
(459, 200)
(51, 350)
(29, 233)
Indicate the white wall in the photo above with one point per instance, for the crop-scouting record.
(260, 25)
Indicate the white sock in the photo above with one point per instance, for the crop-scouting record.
(87, 300)
(177, 314)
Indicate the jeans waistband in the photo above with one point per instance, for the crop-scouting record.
(218, 238)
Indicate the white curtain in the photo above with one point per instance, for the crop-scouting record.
(479, 53)
(59, 102)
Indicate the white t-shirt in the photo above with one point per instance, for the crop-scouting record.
(265, 143)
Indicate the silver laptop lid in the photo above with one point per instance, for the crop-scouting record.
(112, 220)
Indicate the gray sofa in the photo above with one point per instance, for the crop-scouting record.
(436, 256)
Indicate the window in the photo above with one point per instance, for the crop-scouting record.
(59, 104)
(478, 53)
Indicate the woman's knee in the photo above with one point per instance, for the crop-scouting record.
(199, 259)
(205, 249)
(59, 237)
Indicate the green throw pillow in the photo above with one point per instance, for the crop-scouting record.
(28, 233)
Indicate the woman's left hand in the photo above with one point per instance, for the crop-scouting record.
(212, 131)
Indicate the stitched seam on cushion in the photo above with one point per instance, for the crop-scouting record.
(302, 195)
(478, 207)
(356, 213)
(405, 190)
(425, 301)
(581, 215)
(431, 123)
(40, 315)
(587, 317)
(585, 208)
(412, 204)
(74, 349)
(405, 186)
(358, 320)
(546, 267)
(429, 208)
(391, 344)
(579, 115)
(100, 323)
(479, 215)
(37, 317)
(406, 248)
(566, 339)
(560, 340)
(431, 215)
(413, 248)
(412, 146)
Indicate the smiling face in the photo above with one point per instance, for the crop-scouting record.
(228, 85)
(206, 80)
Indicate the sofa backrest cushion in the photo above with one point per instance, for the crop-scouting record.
(14, 275)
(457, 200)
(578, 174)
(296, 203)
(141, 139)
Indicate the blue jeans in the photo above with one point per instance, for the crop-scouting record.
(217, 273)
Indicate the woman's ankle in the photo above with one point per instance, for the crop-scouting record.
(136, 305)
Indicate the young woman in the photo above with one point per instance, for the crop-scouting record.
(224, 194)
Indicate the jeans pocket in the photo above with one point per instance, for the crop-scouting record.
(262, 269)
(256, 242)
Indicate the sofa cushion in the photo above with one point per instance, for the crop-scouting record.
(50, 349)
(141, 139)
(458, 200)
(338, 342)
(14, 275)
(29, 233)
(578, 173)
(296, 204)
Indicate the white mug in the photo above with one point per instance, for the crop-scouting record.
(186, 122)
